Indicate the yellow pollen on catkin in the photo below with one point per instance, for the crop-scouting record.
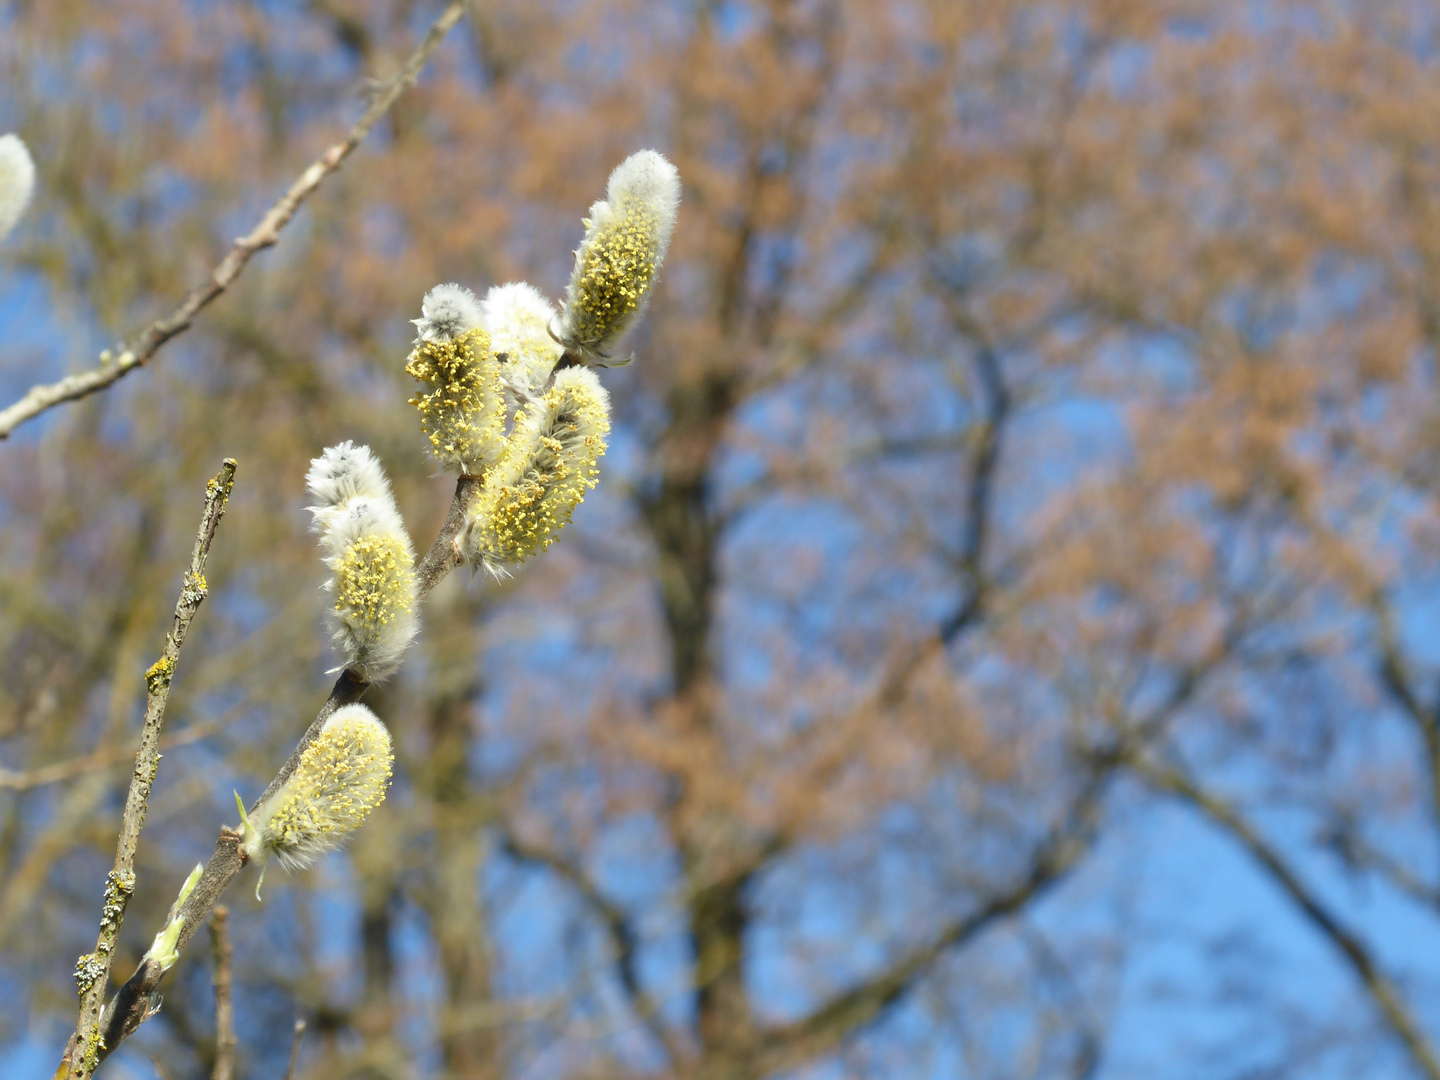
(463, 414)
(374, 583)
(342, 775)
(547, 473)
(617, 272)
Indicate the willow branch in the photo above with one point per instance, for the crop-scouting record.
(135, 1001)
(92, 971)
(265, 234)
(1382, 991)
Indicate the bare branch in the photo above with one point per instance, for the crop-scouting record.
(224, 1014)
(1395, 677)
(1384, 993)
(265, 234)
(985, 461)
(92, 971)
(1357, 852)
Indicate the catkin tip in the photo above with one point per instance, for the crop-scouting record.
(448, 312)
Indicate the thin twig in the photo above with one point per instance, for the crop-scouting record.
(12, 780)
(263, 235)
(295, 1049)
(92, 971)
(135, 1001)
(224, 1013)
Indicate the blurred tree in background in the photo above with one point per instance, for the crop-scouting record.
(1002, 641)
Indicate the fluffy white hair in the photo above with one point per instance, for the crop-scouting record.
(549, 465)
(372, 627)
(377, 618)
(343, 472)
(648, 177)
(517, 317)
(626, 238)
(360, 517)
(447, 312)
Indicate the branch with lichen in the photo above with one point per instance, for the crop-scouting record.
(509, 402)
(92, 971)
(138, 997)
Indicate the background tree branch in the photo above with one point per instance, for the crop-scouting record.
(222, 952)
(1384, 993)
(265, 234)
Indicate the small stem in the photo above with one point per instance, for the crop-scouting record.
(295, 1049)
(442, 557)
(224, 1014)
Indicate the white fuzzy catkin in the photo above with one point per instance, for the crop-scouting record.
(626, 237)
(447, 312)
(17, 181)
(372, 563)
(550, 462)
(340, 777)
(518, 318)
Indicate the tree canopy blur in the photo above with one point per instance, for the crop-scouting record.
(1001, 643)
